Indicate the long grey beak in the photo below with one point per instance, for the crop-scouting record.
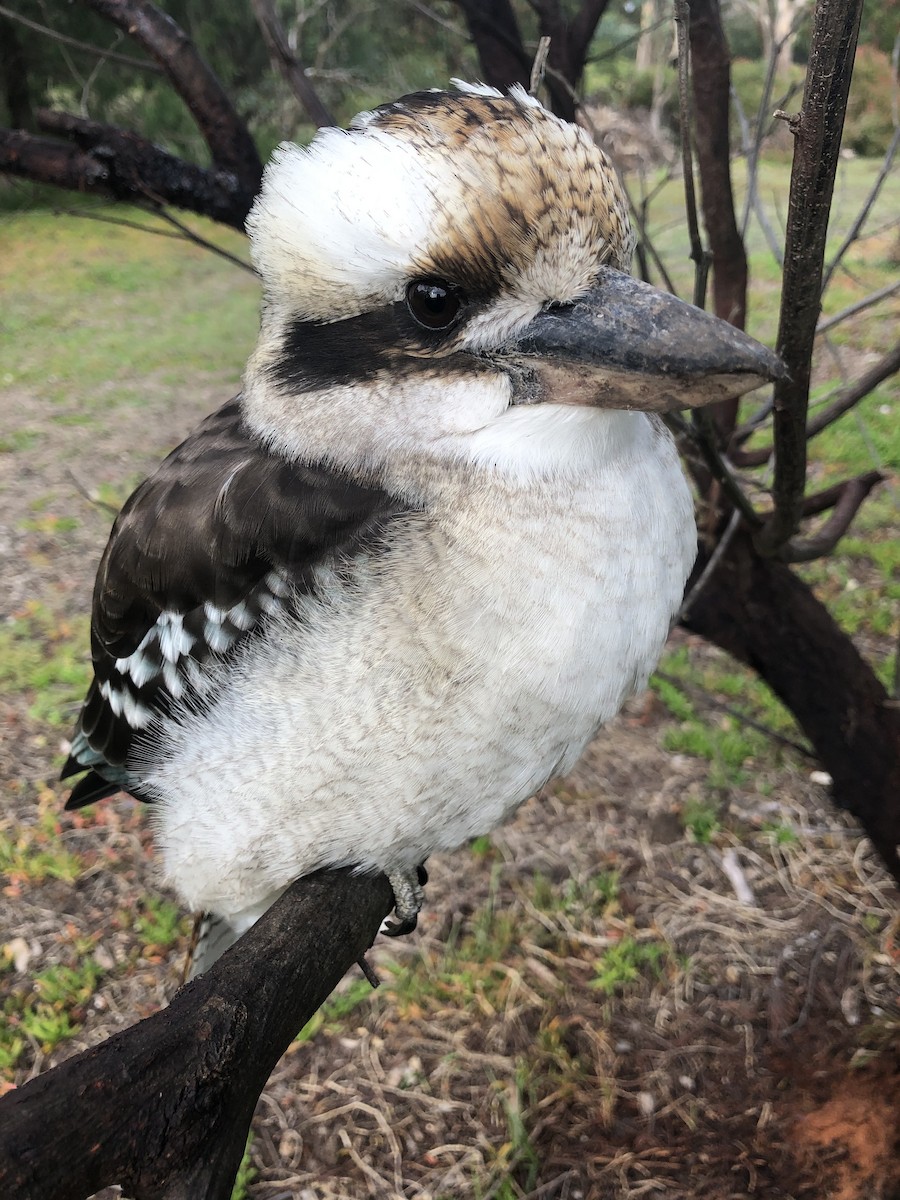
(626, 345)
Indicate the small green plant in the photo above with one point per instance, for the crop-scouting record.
(782, 833)
(49, 1014)
(160, 924)
(701, 819)
(335, 1010)
(33, 856)
(624, 963)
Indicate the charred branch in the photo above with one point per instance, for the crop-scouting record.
(229, 141)
(504, 59)
(817, 144)
(103, 160)
(495, 33)
(14, 73)
(847, 505)
(163, 1108)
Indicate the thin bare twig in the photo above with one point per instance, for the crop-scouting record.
(649, 247)
(196, 238)
(698, 256)
(701, 694)
(703, 434)
(752, 199)
(288, 64)
(714, 559)
(847, 398)
(539, 66)
(854, 231)
(127, 60)
(852, 309)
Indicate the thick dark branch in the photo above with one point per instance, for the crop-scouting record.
(44, 161)
(288, 64)
(163, 1109)
(228, 138)
(820, 502)
(121, 166)
(818, 140)
(495, 31)
(815, 669)
(582, 28)
(848, 398)
(821, 543)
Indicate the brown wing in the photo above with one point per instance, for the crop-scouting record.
(221, 534)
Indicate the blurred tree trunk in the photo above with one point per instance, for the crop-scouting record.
(14, 73)
(759, 611)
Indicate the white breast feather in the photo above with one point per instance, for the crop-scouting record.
(473, 663)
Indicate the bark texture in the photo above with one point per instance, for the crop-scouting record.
(163, 1108)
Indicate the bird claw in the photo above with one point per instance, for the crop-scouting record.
(408, 900)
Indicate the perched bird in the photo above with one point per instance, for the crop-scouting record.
(371, 605)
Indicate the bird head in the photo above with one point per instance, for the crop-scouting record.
(447, 268)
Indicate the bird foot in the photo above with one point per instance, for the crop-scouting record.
(408, 900)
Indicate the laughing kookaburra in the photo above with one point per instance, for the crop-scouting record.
(375, 602)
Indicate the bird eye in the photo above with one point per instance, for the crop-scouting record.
(434, 303)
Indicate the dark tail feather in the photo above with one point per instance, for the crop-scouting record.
(92, 787)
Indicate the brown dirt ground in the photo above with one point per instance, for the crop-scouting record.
(765, 1063)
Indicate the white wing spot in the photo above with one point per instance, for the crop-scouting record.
(173, 681)
(241, 616)
(136, 714)
(217, 638)
(138, 666)
(174, 640)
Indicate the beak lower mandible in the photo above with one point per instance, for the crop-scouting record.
(626, 345)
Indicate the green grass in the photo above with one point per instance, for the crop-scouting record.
(92, 310)
(623, 964)
(160, 923)
(44, 655)
(47, 1011)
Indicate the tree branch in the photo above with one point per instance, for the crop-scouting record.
(288, 64)
(163, 1108)
(699, 256)
(582, 28)
(495, 32)
(818, 140)
(848, 398)
(852, 309)
(852, 494)
(230, 144)
(119, 165)
(865, 208)
(711, 80)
